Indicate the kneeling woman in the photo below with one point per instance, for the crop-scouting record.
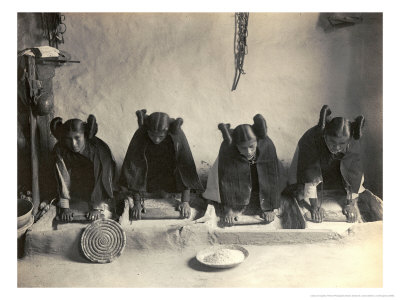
(329, 155)
(158, 159)
(84, 168)
(245, 171)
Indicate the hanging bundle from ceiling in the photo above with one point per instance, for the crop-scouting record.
(241, 22)
(53, 28)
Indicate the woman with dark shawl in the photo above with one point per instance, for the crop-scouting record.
(329, 156)
(158, 159)
(84, 167)
(245, 171)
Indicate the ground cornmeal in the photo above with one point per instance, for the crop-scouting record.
(224, 257)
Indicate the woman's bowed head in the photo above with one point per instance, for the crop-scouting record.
(339, 131)
(157, 124)
(242, 137)
(74, 132)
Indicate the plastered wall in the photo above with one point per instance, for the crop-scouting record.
(183, 64)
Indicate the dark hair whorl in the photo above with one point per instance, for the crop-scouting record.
(175, 125)
(324, 116)
(141, 114)
(91, 126)
(260, 126)
(357, 127)
(55, 126)
(226, 135)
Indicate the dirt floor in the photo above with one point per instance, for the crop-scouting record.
(354, 261)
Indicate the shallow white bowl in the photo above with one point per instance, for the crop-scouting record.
(201, 255)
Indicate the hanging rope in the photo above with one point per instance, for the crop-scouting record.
(53, 28)
(240, 48)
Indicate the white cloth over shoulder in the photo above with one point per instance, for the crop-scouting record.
(212, 189)
(45, 51)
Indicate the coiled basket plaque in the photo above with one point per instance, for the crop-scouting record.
(103, 240)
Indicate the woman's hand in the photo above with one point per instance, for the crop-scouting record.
(268, 216)
(93, 215)
(184, 208)
(66, 214)
(351, 213)
(229, 216)
(317, 212)
(135, 210)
